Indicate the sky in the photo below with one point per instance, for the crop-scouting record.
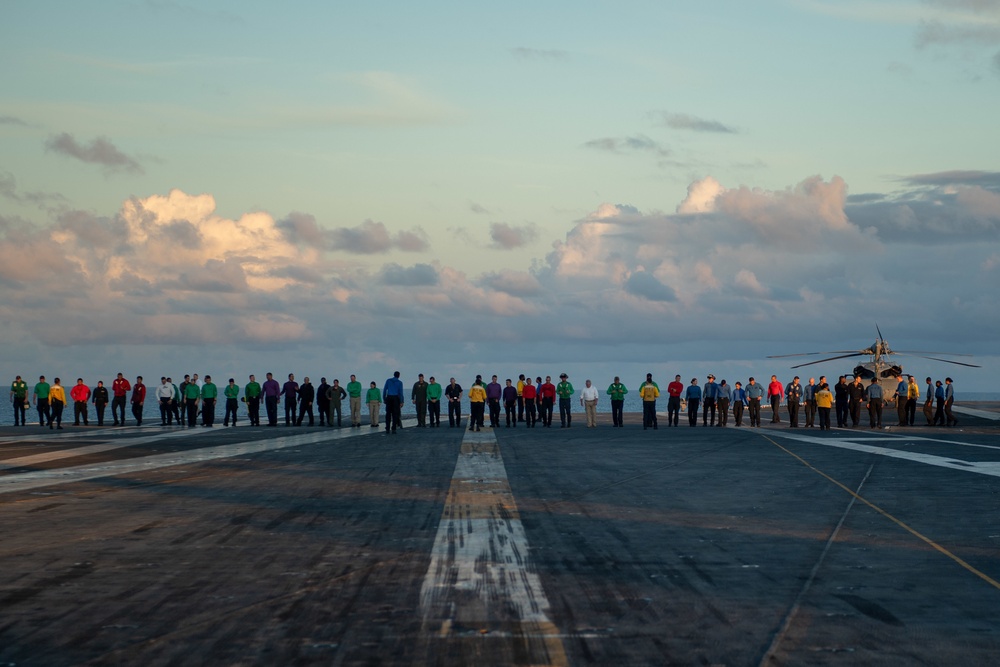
(601, 188)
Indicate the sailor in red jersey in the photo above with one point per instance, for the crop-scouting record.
(528, 393)
(775, 393)
(80, 393)
(548, 393)
(138, 398)
(120, 388)
(674, 390)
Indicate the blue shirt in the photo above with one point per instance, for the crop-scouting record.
(939, 393)
(755, 390)
(393, 387)
(723, 391)
(711, 390)
(809, 392)
(693, 393)
(739, 396)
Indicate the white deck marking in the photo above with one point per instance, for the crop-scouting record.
(973, 412)
(42, 478)
(480, 577)
(991, 468)
(55, 455)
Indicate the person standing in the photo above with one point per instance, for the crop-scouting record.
(710, 394)
(232, 394)
(165, 399)
(392, 396)
(949, 400)
(900, 397)
(648, 392)
(725, 397)
(290, 390)
(272, 393)
(336, 395)
(529, 394)
(775, 394)
(674, 391)
(18, 400)
(434, 402)
(588, 399)
(306, 394)
(57, 401)
(138, 400)
(855, 397)
(175, 406)
(100, 399)
(418, 395)
(809, 400)
(693, 397)
(842, 400)
(192, 395)
(251, 394)
(520, 397)
(548, 394)
(564, 390)
(755, 393)
(510, 403)
(80, 393)
(874, 396)
(494, 394)
(374, 400)
(929, 402)
(454, 394)
(477, 404)
(120, 388)
(824, 401)
(354, 395)
(739, 401)
(209, 395)
(793, 396)
(939, 399)
(323, 403)
(617, 391)
(912, 396)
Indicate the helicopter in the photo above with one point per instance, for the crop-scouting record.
(879, 366)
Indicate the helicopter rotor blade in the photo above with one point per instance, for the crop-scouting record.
(878, 331)
(918, 352)
(812, 354)
(949, 361)
(843, 356)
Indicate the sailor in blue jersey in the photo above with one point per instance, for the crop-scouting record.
(710, 394)
(392, 396)
(693, 396)
(739, 401)
(754, 393)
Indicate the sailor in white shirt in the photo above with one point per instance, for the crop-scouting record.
(588, 399)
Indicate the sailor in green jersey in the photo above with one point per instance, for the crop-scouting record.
(41, 394)
(564, 390)
(354, 392)
(617, 393)
(191, 395)
(232, 393)
(176, 405)
(434, 402)
(209, 392)
(252, 395)
(374, 400)
(18, 398)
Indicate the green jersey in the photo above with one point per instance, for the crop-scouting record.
(564, 389)
(617, 391)
(191, 390)
(354, 389)
(252, 390)
(373, 395)
(209, 390)
(42, 390)
(433, 392)
(231, 391)
(19, 388)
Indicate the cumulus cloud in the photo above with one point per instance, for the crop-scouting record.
(683, 121)
(373, 237)
(100, 151)
(418, 275)
(508, 237)
(515, 283)
(647, 286)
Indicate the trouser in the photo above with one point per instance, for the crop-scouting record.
(842, 413)
(118, 405)
(57, 410)
(939, 413)
(393, 416)
(723, 411)
(476, 413)
(810, 413)
(80, 412)
(510, 411)
(530, 416)
(753, 407)
(494, 404)
(775, 409)
(175, 409)
(271, 407)
(166, 412)
(324, 413)
(911, 411)
(547, 411)
(454, 413)
(824, 418)
(875, 413)
(738, 413)
(434, 412)
(948, 416)
(373, 408)
(306, 408)
(19, 411)
(565, 414)
(649, 414)
(855, 408)
(590, 407)
(99, 408)
(673, 411)
(706, 408)
(520, 408)
(421, 405)
(901, 410)
(793, 413)
(192, 410)
(693, 411)
(334, 409)
(208, 411)
(929, 411)
(290, 410)
(137, 413)
(617, 412)
(232, 407)
(356, 410)
(253, 410)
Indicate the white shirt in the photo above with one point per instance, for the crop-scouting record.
(165, 391)
(589, 393)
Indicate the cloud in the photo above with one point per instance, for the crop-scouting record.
(508, 237)
(12, 120)
(523, 53)
(372, 237)
(418, 275)
(43, 200)
(100, 151)
(682, 121)
(647, 286)
(986, 179)
(515, 283)
(701, 196)
(937, 32)
(638, 143)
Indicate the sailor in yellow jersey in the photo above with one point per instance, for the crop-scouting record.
(649, 392)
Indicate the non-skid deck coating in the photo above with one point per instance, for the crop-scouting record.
(707, 546)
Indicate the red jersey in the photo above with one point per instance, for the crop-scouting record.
(80, 393)
(548, 390)
(776, 389)
(675, 389)
(120, 387)
(139, 393)
(528, 392)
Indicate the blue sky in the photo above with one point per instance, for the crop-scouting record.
(597, 186)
